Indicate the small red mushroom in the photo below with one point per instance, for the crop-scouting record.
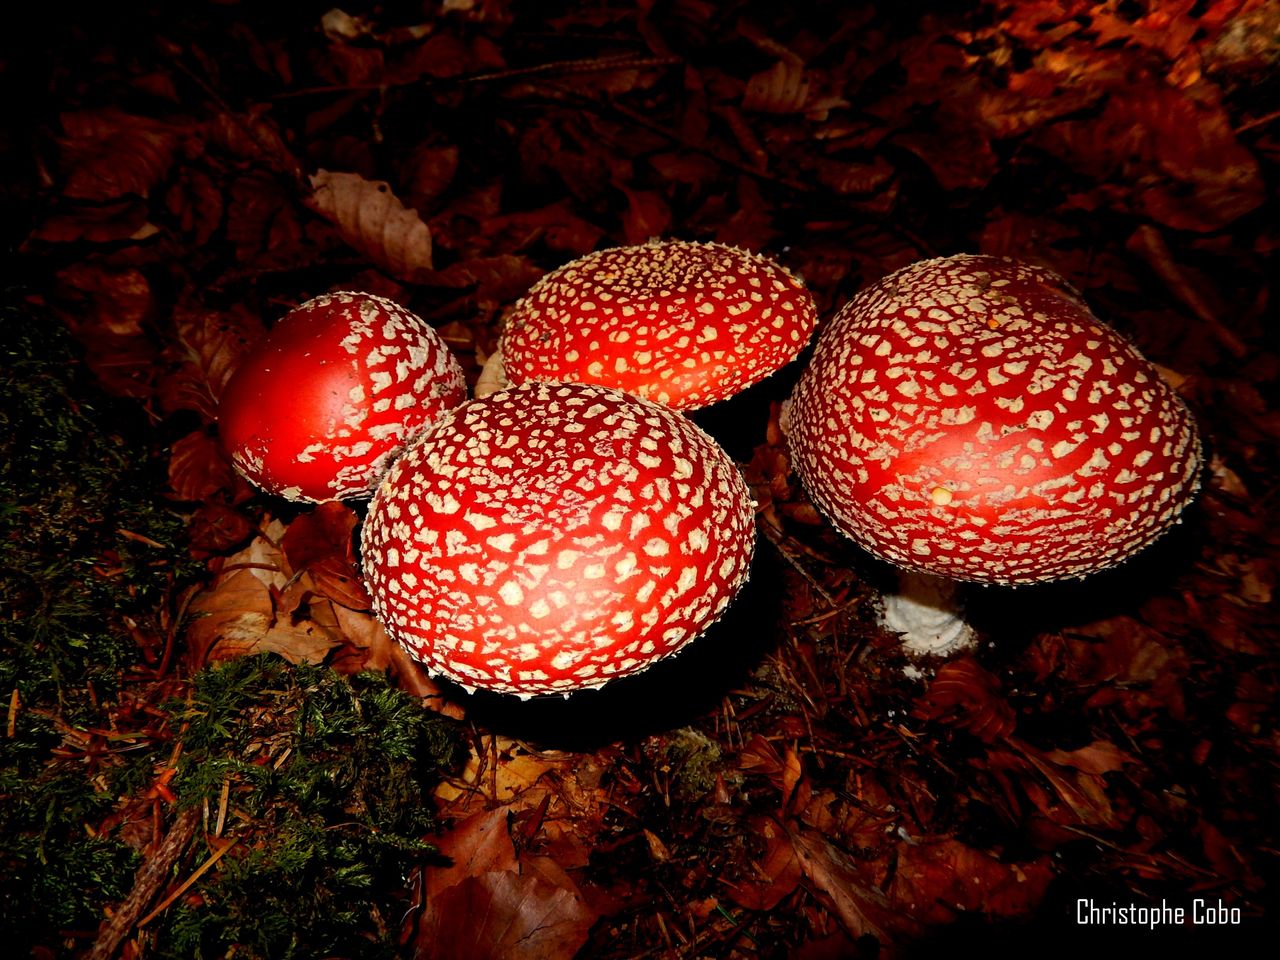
(968, 417)
(338, 388)
(682, 323)
(552, 537)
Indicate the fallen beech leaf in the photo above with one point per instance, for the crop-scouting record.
(362, 631)
(109, 154)
(1081, 796)
(935, 881)
(964, 695)
(516, 771)
(1119, 654)
(853, 178)
(105, 222)
(107, 310)
(858, 903)
(215, 526)
(196, 201)
(253, 135)
(261, 219)
(256, 605)
(374, 222)
(496, 279)
(1097, 758)
(782, 88)
(428, 172)
(509, 915)
(125, 366)
(320, 543)
(479, 844)
(107, 300)
(778, 872)
(237, 618)
(208, 346)
(198, 468)
(647, 216)
(1177, 158)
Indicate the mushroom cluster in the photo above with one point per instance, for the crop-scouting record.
(341, 385)
(968, 417)
(552, 537)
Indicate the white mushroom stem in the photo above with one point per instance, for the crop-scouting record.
(493, 375)
(928, 614)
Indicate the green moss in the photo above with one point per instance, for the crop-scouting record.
(328, 783)
(75, 468)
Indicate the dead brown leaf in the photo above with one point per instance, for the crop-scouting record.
(782, 88)
(371, 219)
(937, 880)
(962, 694)
(207, 347)
(256, 605)
(215, 527)
(777, 873)
(198, 467)
(238, 618)
(109, 154)
(320, 543)
(854, 897)
(510, 915)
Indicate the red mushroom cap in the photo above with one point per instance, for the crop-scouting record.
(552, 537)
(337, 389)
(681, 323)
(969, 417)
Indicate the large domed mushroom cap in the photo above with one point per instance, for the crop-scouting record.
(551, 537)
(682, 323)
(969, 417)
(338, 388)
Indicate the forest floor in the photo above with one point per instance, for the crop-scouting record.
(213, 749)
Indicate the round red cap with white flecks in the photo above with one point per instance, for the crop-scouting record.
(338, 388)
(552, 537)
(969, 417)
(682, 323)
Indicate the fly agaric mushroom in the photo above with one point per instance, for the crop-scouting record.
(682, 323)
(969, 418)
(552, 537)
(338, 388)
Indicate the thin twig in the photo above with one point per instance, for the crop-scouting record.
(150, 878)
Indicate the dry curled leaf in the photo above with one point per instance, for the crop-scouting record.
(198, 468)
(239, 617)
(257, 605)
(112, 154)
(488, 903)
(964, 695)
(207, 347)
(511, 915)
(936, 881)
(320, 543)
(782, 88)
(776, 873)
(846, 887)
(372, 220)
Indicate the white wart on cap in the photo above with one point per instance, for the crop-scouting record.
(969, 417)
(338, 388)
(682, 323)
(551, 537)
